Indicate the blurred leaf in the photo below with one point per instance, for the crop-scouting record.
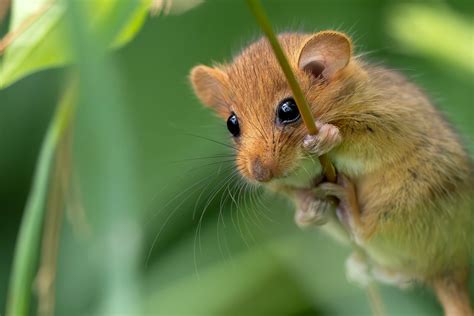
(38, 32)
(434, 31)
(111, 195)
(30, 231)
(254, 282)
(173, 6)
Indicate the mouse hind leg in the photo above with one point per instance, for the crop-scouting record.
(452, 291)
(451, 288)
(361, 271)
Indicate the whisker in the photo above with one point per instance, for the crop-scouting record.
(239, 227)
(202, 158)
(221, 218)
(265, 208)
(185, 191)
(255, 212)
(224, 198)
(262, 206)
(212, 140)
(188, 194)
(157, 236)
(197, 237)
(202, 192)
(235, 203)
(246, 220)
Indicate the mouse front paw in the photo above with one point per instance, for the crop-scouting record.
(324, 141)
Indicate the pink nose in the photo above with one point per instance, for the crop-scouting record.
(261, 172)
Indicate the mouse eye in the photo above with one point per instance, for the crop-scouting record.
(233, 125)
(287, 111)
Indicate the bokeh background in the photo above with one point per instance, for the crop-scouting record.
(165, 228)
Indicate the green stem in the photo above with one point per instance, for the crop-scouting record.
(27, 245)
(329, 171)
(305, 111)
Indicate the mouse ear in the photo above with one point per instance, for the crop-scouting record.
(325, 53)
(209, 85)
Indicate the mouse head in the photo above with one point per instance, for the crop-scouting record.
(251, 93)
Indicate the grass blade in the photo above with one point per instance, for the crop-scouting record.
(26, 252)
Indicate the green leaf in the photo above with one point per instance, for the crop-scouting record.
(173, 6)
(40, 32)
(434, 31)
(24, 263)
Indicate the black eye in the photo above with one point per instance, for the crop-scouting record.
(233, 125)
(287, 111)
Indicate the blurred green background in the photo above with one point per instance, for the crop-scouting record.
(172, 241)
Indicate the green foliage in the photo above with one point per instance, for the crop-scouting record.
(42, 39)
(434, 31)
(44, 42)
(27, 246)
(134, 115)
(47, 34)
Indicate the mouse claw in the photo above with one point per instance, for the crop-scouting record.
(327, 138)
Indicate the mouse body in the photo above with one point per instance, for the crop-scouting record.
(405, 182)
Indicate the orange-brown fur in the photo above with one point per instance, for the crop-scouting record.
(414, 179)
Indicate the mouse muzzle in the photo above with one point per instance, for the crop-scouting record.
(261, 170)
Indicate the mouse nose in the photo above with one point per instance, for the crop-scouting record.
(261, 172)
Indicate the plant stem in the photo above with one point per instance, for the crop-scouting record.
(45, 278)
(375, 299)
(26, 251)
(60, 185)
(329, 171)
(303, 107)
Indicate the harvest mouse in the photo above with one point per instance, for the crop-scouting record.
(405, 183)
